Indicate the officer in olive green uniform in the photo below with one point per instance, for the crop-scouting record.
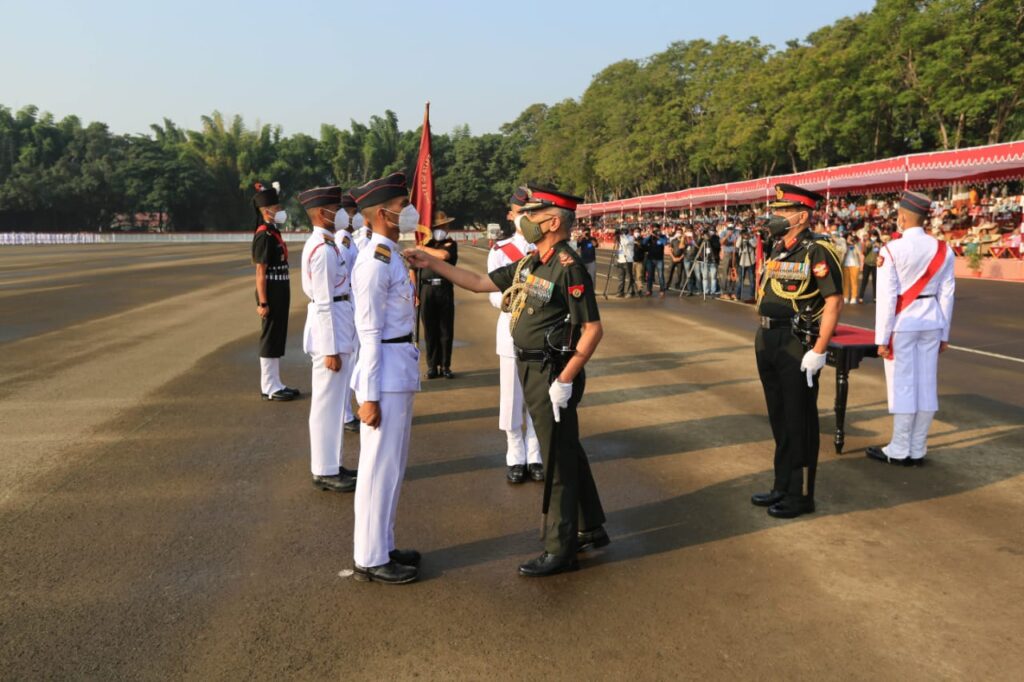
(555, 328)
(799, 299)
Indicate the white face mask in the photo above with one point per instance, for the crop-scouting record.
(340, 219)
(281, 217)
(408, 219)
(519, 228)
(439, 235)
(358, 222)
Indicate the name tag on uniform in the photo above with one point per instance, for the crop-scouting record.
(783, 270)
(538, 288)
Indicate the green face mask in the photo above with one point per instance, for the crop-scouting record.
(531, 230)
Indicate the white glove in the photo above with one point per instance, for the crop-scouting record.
(560, 394)
(812, 364)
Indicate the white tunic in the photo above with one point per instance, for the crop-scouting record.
(384, 310)
(361, 237)
(330, 328)
(496, 258)
(903, 261)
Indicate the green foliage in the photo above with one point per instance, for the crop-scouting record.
(908, 76)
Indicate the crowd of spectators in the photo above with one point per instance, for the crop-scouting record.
(714, 252)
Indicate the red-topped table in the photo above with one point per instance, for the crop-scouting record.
(847, 348)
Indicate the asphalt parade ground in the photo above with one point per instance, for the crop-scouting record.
(157, 519)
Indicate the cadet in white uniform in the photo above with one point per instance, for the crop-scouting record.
(329, 336)
(385, 380)
(523, 456)
(913, 312)
(346, 239)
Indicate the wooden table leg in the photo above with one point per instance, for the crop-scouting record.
(842, 390)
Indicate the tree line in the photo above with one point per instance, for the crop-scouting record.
(908, 76)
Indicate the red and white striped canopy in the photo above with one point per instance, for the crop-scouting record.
(914, 171)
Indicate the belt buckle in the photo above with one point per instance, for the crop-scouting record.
(766, 322)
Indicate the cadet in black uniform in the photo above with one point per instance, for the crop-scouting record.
(273, 294)
(437, 301)
(799, 300)
(556, 328)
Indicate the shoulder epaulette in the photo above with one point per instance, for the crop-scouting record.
(382, 253)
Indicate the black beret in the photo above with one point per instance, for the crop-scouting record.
(265, 196)
(791, 196)
(378, 191)
(320, 196)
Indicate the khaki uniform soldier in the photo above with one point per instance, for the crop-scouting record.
(329, 335)
(913, 312)
(799, 300)
(273, 292)
(385, 381)
(556, 328)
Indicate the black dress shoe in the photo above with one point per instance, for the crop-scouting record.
(406, 557)
(767, 499)
(339, 483)
(548, 564)
(351, 473)
(281, 395)
(536, 471)
(596, 538)
(792, 507)
(447, 373)
(294, 391)
(879, 455)
(911, 462)
(433, 373)
(352, 426)
(391, 573)
(516, 474)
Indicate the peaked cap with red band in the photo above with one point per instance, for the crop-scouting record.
(519, 197)
(348, 199)
(916, 203)
(320, 196)
(378, 191)
(546, 197)
(791, 196)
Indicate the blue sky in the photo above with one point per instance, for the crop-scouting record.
(301, 63)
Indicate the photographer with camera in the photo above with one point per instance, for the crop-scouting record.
(708, 250)
(746, 260)
(624, 262)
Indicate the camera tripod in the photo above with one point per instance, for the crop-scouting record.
(702, 245)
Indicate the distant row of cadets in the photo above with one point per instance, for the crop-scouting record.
(361, 317)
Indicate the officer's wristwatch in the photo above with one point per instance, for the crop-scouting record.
(261, 305)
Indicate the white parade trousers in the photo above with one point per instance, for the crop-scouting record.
(383, 453)
(326, 436)
(270, 375)
(911, 378)
(511, 415)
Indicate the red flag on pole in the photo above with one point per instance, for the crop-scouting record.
(422, 196)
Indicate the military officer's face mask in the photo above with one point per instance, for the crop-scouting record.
(532, 232)
(358, 222)
(439, 235)
(281, 217)
(779, 225)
